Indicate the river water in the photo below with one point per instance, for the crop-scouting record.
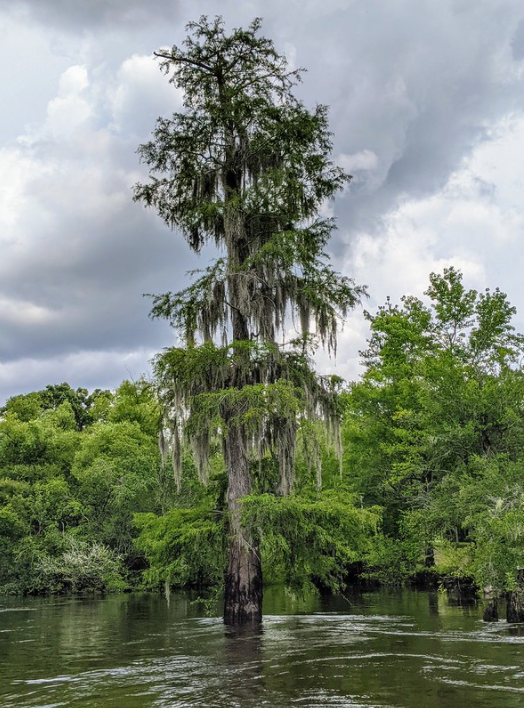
(401, 649)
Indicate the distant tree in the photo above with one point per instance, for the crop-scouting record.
(25, 406)
(137, 402)
(81, 401)
(69, 496)
(247, 167)
(116, 471)
(87, 407)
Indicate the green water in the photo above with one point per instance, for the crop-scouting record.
(387, 649)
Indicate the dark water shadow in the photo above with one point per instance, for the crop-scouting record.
(516, 630)
(244, 655)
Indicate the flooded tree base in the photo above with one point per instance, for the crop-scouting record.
(243, 586)
(515, 607)
(491, 613)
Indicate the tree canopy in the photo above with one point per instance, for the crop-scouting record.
(434, 434)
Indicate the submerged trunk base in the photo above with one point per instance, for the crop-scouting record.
(515, 604)
(515, 607)
(243, 586)
(491, 613)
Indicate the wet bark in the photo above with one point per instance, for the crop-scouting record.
(515, 601)
(515, 608)
(429, 557)
(491, 613)
(243, 581)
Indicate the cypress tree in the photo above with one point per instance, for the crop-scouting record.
(247, 166)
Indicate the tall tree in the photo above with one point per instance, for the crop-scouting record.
(245, 165)
(441, 395)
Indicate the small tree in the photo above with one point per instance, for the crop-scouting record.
(247, 166)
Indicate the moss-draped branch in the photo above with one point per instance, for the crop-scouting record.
(247, 166)
(259, 388)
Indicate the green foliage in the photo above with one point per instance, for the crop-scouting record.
(185, 547)
(392, 561)
(306, 541)
(453, 560)
(493, 501)
(115, 469)
(86, 408)
(46, 442)
(440, 397)
(68, 495)
(136, 402)
(309, 541)
(241, 117)
(25, 406)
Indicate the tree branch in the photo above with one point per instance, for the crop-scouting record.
(183, 60)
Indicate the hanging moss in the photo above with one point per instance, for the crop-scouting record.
(176, 454)
(208, 389)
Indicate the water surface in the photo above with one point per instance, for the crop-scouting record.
(377, 650)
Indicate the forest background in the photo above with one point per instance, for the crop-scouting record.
(431, 486)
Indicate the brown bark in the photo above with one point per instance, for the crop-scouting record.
(515, 601)
(515, 608)
(243, 581)
(491, 612)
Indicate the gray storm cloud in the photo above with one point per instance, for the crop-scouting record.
(77, 16)
(414, 88)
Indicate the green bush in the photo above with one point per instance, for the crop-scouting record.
(80, 568)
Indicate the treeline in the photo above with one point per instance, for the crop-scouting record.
(74, 470)
(434, 436)
(89, 501)
(430, 485)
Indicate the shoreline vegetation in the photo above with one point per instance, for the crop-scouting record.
(430, 492)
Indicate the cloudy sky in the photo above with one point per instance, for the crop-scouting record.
(427, 110)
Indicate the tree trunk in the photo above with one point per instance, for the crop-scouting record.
(243, 581)
(515, 600)
(515, 607)
(491, 613)
(429, 557)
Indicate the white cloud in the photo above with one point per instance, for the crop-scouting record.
(71, 109)
(362, 161)
(140, 94)
(475, 223)
(73, 81)
(16, 167)
(25, 313)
